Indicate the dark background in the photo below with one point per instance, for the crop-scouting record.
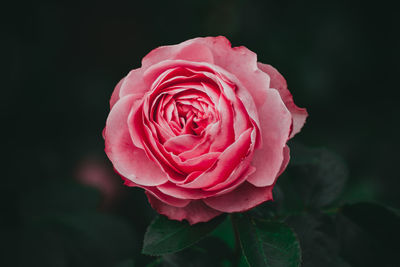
(62, 61)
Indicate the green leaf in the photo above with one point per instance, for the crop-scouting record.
(225, 232)
(266, 243)
(167, 236)
(317, 176)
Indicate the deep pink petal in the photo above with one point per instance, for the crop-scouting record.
(243, 198)
(195, 212)
(275, 121)
(278, 82)
(226, 135)
(130, 161)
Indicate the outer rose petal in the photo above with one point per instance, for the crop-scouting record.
(243, 198)
(130, 161)
(134, 84)
(286, 158)
(115, 95)
(173, 201)
(195, 212)
(275, 121)
(191, 50)
(278, 82)
(242, 63)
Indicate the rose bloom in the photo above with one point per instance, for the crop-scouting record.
(202, 127)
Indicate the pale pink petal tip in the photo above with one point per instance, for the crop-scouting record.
(278, 82)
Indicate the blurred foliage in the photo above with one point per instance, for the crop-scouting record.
(62, 227)
(62, 60)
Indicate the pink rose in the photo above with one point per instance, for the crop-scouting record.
(202, 127)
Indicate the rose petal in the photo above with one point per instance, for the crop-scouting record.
(275, 121)
(220, 189)
(181, 143)
(241, 121)
(242, 169)
(130, 161)
(190, 50)
(197, 151)
(170, 200)
(279, 83)
(200, 163)
(163, 158)
(225, 164)
(242, 63)
(286, 158)
(174, 190)
(237, 182)
(195, 212)
(134, 84)
(226, 134)
(195, 52)
(115, 95)
(243, 198)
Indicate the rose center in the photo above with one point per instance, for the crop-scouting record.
(192, 116)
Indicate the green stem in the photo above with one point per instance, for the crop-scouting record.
(238, 251)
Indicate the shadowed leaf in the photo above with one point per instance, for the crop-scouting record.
(167, 236)
(266, 243)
